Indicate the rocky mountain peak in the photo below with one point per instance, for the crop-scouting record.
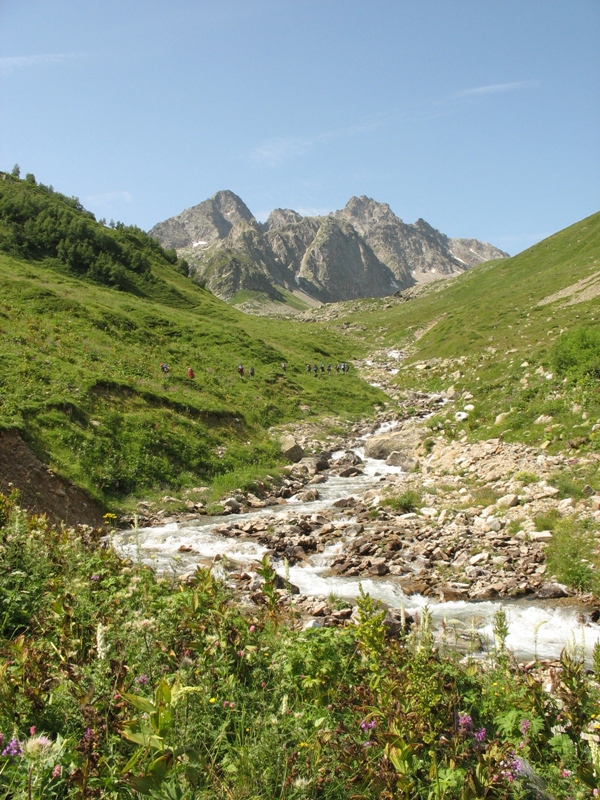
(205, 223)
(362, 250)
(363, 212)
(281, 217)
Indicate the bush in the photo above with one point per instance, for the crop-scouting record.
(407, 503)
(576, 354)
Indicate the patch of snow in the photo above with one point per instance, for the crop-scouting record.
(198, 244)
(395, 354)
(476, 254)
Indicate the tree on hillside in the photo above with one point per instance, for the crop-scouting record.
(16, 171)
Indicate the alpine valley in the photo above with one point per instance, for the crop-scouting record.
(291, 263)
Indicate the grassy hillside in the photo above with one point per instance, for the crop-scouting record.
(523, 333)
(80, 360)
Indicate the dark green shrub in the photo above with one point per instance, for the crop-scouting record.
(576, 354)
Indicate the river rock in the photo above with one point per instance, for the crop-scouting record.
(449, 594)
(411, 586)
(508, 501)
(552, 591)
(309, 495)
(396, 459)
(290, 448)
(403, 441)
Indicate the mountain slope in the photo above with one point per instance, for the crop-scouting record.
(519, 335)
(80, 375)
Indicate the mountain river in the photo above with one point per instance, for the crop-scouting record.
(536, 628)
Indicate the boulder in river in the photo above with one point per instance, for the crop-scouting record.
(290, 448)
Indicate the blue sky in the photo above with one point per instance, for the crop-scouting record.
(481, 117)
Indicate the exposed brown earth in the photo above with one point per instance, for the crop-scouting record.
(40, 490)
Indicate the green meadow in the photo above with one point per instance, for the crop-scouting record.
(81, 355)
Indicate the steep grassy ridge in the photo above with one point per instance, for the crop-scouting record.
(506, 325)
(80, 372)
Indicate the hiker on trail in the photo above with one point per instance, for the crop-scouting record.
(329, 369)
(343, 367)
(322, 367)
(251, 372)
(283, 366)
(337, 368)
(191, 373)
(164, 367)
(241, 370)
(315, 370)
(308, 367)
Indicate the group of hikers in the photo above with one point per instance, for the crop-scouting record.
(343, 367)
(314, 368)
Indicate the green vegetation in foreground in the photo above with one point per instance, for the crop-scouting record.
(117, 684)
(521, 335)
(80, 356)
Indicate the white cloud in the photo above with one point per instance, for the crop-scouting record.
(494, 88)
(275, 151)
(14, 63)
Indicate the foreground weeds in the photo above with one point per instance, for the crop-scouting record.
(115, 683)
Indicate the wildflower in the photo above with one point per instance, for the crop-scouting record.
(13, 749)
(56, 771)
(465, 722)
(226, 704)
(142, 679)
(525, 725)
(252, 628)
(212, 700)
(231, 705)
(32, 730)
(94, 577)
(101, 645)
(480, 735)
(368, 744)
(241, 653)
(36, 745)
(566, 773)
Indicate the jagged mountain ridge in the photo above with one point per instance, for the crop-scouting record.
(362, 250)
